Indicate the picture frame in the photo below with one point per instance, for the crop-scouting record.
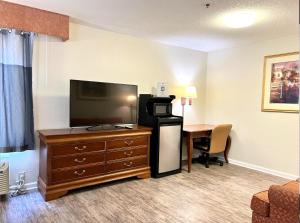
(162, 89)
(280, 91)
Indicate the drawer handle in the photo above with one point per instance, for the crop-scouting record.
(79, 173)
(128, 164)
(128, 143)
(128, 153)
(80, 161)
(80, 149)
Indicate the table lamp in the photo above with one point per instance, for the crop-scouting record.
(190, 93)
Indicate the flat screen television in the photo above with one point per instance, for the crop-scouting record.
(99, 103)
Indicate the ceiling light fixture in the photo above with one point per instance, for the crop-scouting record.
(240, 19)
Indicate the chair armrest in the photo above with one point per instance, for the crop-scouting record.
(202, 143)
(202, 139)
(283, 197)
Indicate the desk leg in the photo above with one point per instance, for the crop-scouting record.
(227, 148)
(189, 146)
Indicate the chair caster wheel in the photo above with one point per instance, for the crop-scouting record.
(221, 164)
(206, 166)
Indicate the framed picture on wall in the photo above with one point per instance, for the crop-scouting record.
(281, 83)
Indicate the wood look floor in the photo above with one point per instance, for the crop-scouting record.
(214, 195)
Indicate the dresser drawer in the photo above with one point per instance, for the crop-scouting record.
(126, 164)
(127, 142)
(126, 153)
(67, 149)
(69, 174)
(76, 160)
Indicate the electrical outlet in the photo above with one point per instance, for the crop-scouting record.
(21, 176)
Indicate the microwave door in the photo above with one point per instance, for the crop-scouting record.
(161, 109)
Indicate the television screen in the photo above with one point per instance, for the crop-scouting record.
(98, 103)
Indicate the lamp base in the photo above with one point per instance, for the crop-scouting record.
(183, 101)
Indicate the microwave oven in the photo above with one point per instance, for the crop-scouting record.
(161, 109)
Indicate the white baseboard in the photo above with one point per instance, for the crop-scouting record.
(29, 186)
(263, 169)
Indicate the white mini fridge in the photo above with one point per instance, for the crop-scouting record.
(166, 146)
(166, 137)
(169, 148)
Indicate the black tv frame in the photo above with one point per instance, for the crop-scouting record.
(103, 126)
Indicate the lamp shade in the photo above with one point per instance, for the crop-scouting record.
(191, 92)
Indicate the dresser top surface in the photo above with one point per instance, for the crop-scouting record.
(83, 131)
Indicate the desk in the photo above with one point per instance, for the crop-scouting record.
(200, 130)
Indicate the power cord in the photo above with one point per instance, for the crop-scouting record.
(21, 189)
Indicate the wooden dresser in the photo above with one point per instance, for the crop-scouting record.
(73, 158)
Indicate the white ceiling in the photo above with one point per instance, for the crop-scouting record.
(185, 23)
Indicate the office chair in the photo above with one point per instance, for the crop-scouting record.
(214, 144)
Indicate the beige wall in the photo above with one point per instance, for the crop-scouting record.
(234, 88)
(93, 54)
(97, 55)
(232, 94)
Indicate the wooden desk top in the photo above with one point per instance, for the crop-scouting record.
(198, 128)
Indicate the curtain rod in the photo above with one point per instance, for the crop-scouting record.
(10, 30)
(6, 29)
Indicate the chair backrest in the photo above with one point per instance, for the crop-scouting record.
(219, 137)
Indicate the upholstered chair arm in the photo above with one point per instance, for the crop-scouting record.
(284, 197)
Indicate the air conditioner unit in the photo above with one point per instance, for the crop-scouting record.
(4, 178)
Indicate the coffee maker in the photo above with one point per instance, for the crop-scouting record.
(166, 138)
